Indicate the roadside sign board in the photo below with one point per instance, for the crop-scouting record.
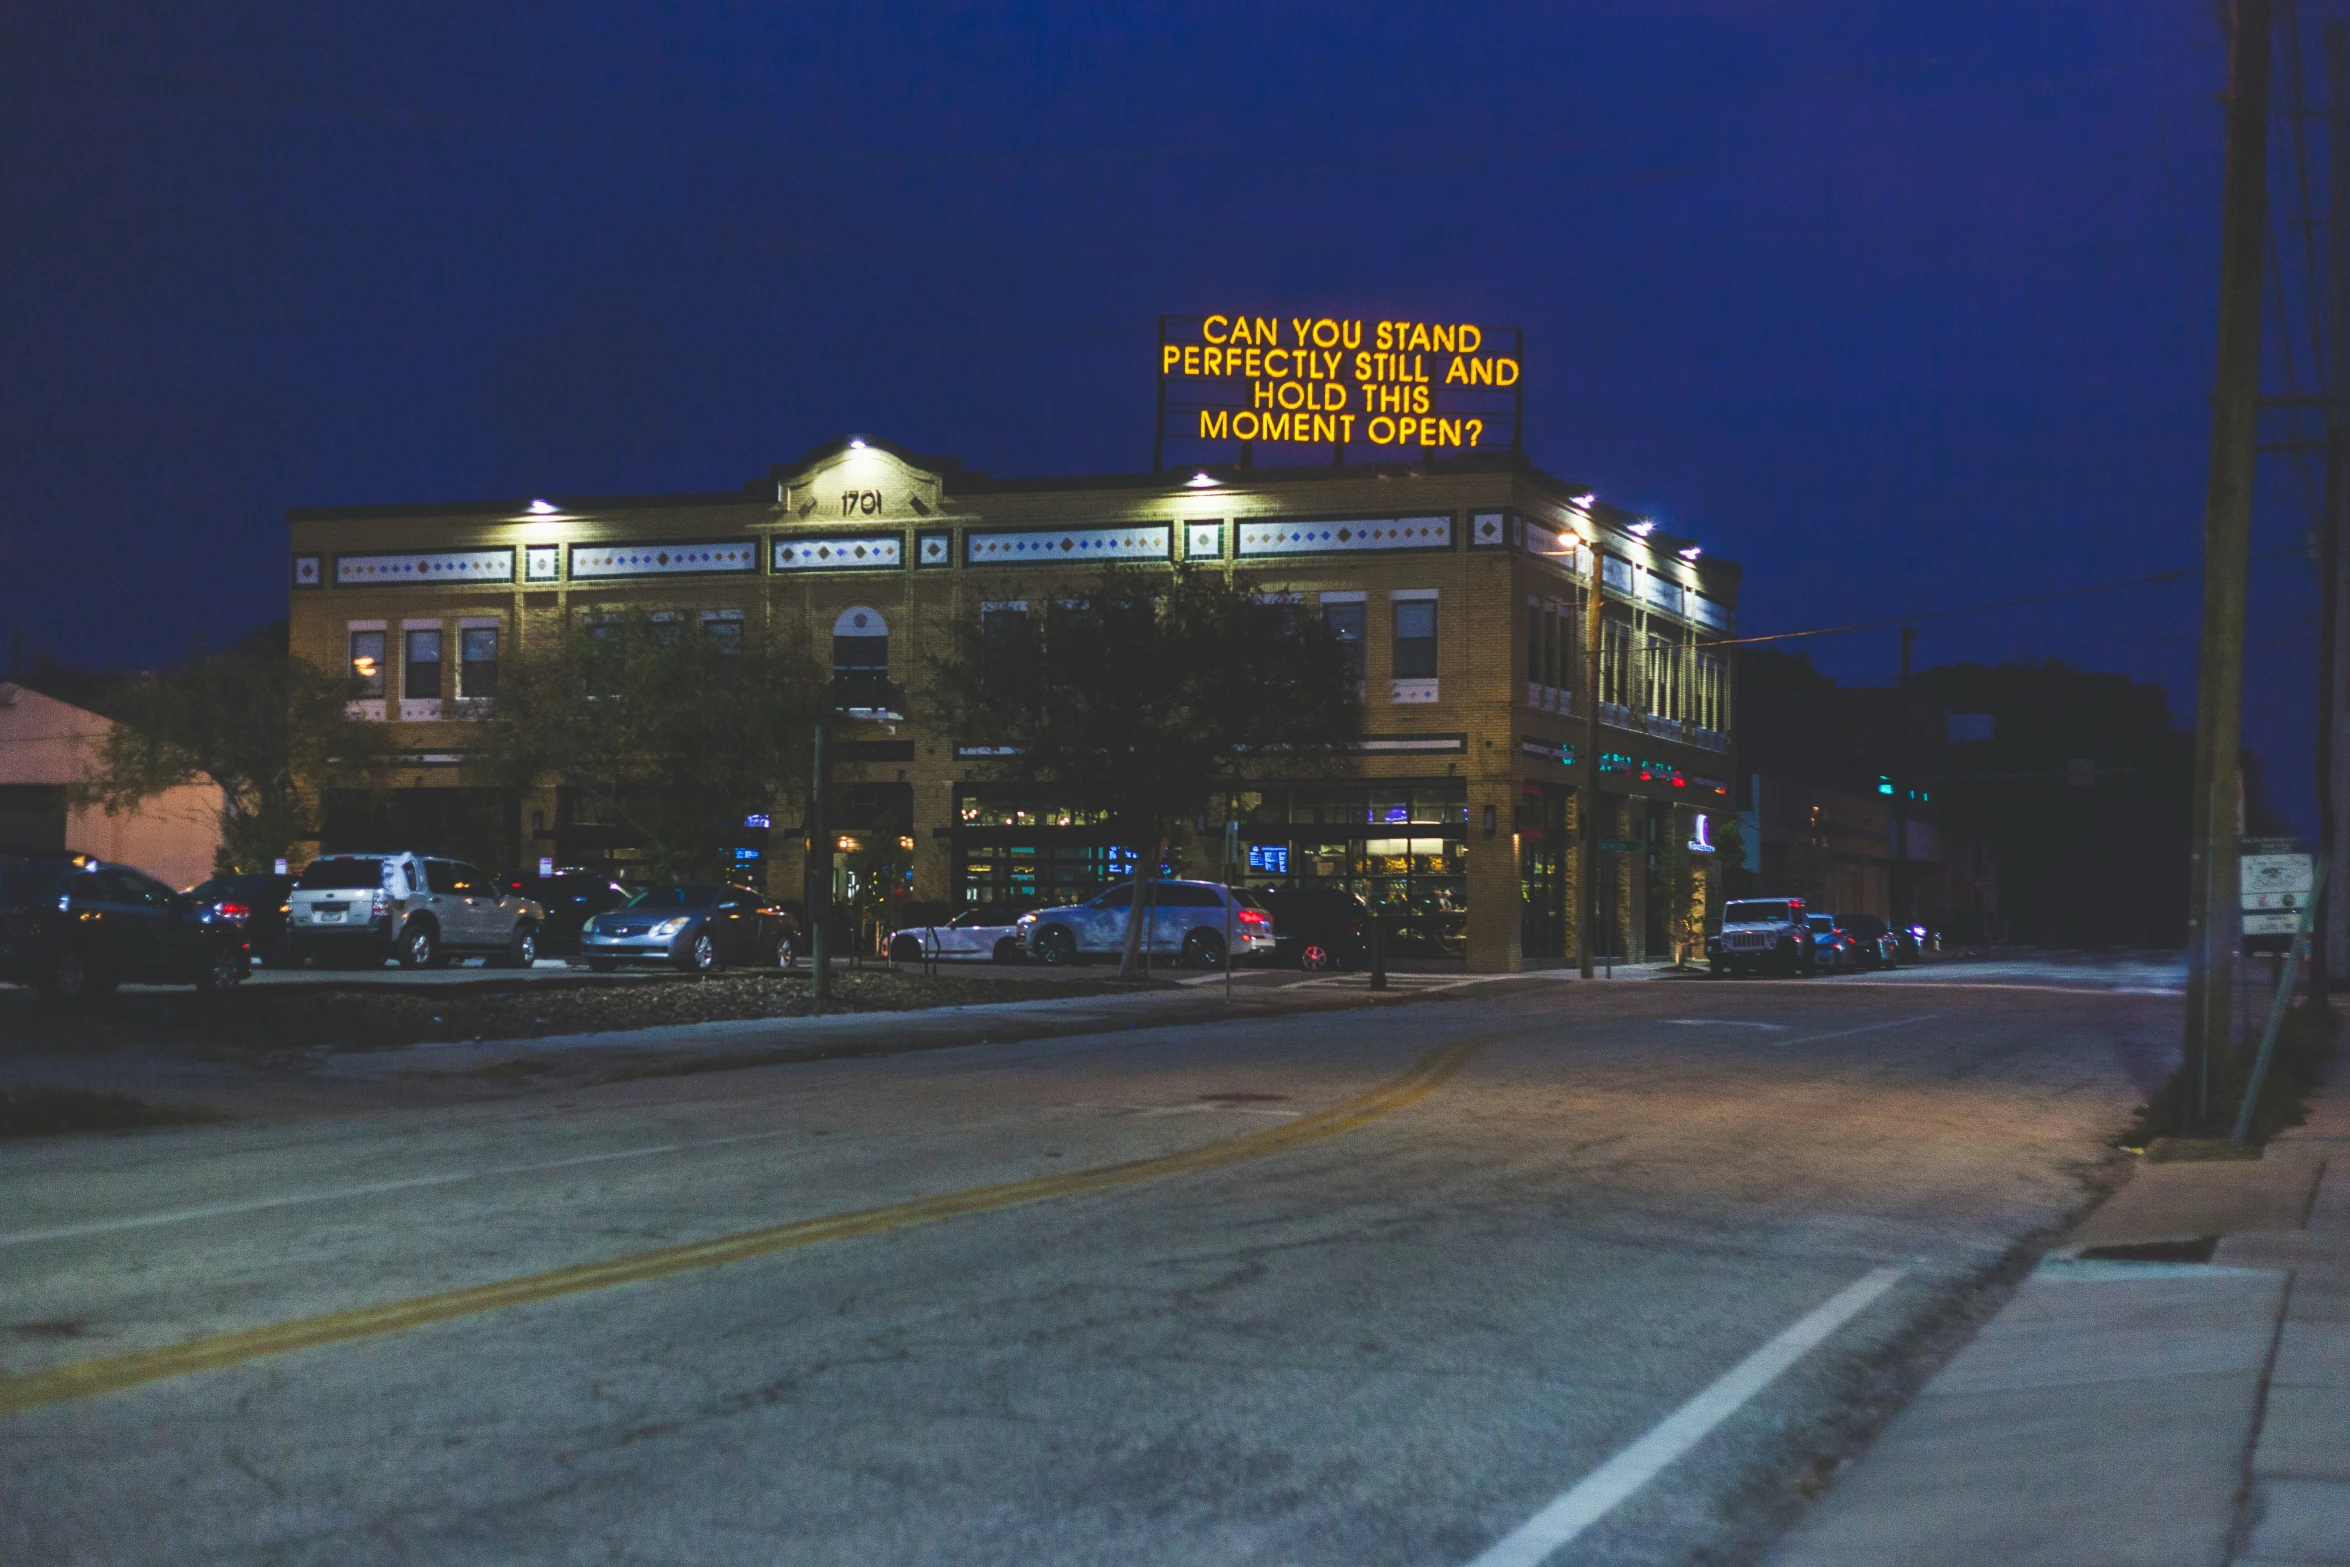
(2272, 924)
(2270, 876)
(1618, 846)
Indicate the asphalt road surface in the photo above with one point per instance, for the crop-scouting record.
(1355, 1287)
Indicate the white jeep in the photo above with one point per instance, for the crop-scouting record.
(1763, 934)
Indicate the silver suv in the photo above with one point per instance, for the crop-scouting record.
(359, 909)
(1187, 918)
(1763, 933)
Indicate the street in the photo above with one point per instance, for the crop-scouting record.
(1361, 1286)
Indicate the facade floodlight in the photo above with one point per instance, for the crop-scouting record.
(1199, 481)
(1585, 499)
(1690, 553)
(1644, 527)
(856, 443)
(541, 508)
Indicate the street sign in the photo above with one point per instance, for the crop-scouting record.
(1618, 846)
(2270, 874)
(2272, 924)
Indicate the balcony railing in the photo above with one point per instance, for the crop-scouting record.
(867, 696)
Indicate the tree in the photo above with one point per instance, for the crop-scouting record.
(1150, 698)
(673, 730)
(255, 722)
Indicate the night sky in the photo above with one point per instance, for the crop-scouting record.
(1904, 306)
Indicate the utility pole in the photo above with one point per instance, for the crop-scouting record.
(1587, 775)
(1902, 912)
(818, 875)
(2227, 534)
(2329, 951)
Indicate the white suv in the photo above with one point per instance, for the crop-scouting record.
(363, 908)
(1188, 918)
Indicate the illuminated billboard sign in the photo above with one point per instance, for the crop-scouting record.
(1318, 385)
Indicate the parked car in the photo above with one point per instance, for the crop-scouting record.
(698, 926)
(359, 909)
(1319, 927)
(571, 898)
(1762, 933)
(1833, 947)
(1187, 918)
(992, 933)
(1916, 940)
(257, 902)
(74, 928)
(1878, 947)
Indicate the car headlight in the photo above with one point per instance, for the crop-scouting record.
(1025, 923)
(672, 926)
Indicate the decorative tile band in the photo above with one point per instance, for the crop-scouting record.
(542, 563)
(1490, 530)
(307, 571)
(1338, 538)
(1150, 542)
(841, 552)
(590, 561)
(361, 571)
(934, 549)
(1203, 541)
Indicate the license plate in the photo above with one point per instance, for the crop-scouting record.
(329, 916)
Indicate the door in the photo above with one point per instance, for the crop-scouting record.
(735, 926)
(487, 922)
(445, 904)
(1104, 920)
(137, 912)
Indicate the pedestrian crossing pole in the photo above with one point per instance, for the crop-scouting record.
(2227, 539)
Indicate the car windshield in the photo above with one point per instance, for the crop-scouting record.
(31, 881)
(691, 896)
(342, 875)
(1821, 921)
(1754, 913)
(1245, 899)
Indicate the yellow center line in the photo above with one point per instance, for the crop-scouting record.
(114, 1373)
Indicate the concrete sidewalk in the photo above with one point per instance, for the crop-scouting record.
(2132, 1405)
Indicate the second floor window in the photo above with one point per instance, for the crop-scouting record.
(477, 661)
(421, 680)
(1415, 639)
(1347, 621)
(367, 663)
(860, 658)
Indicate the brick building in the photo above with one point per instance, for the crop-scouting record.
(1464, 583)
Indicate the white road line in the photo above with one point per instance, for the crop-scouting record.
(1724, 1022)
(1865, 1028)
(2084, 989)
(342, 1193)
(1600, 1491)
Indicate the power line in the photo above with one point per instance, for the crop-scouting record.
(1964, 609)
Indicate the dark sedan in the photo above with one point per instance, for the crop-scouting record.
(1319, 927)
(699, 927)
(571, 898)
(74, 928)
(255, 902)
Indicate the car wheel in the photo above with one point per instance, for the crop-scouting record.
(601, 966)
(224, 969)
(785, 954)
(69, 978)
(701, 955)
(1203, 949)
(419, 946)
(522, 948)
(1313, 957)
(1008, 951)
(1055, 947)
(906, 949)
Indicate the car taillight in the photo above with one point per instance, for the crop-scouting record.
(381, 905)
(1252, 916)
(235, 911)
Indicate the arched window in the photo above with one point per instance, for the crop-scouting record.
(860, 659)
